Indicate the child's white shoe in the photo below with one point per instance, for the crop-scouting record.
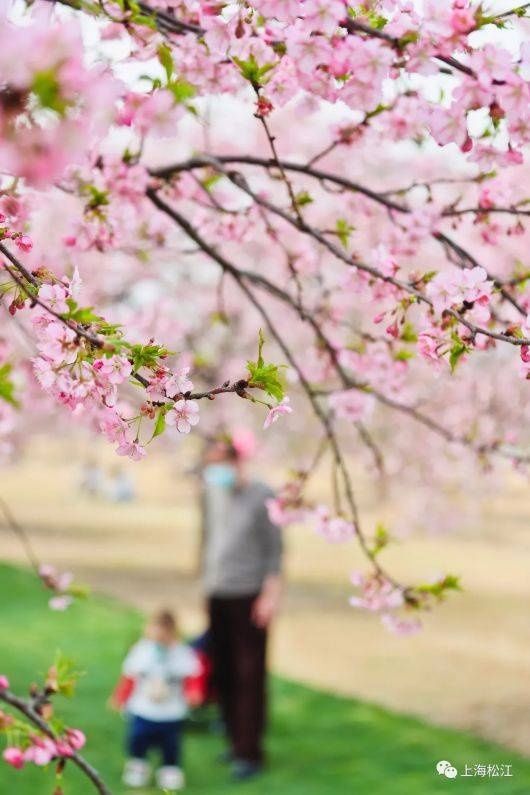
(170, 778)
(136, 773)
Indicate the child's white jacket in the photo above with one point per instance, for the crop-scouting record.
(158, 672)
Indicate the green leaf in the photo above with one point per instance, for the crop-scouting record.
(144, 19)
(411, 37)
(261, 343)
(252, 71)
(303, 198)
(439, 588)
(209, 182)
(343, 231)
(376, 111)
(403, 355)
(458, 349)
(79, 590)
(7, 387)
(381, 539)
(249, 69)
(98, 198)
(182, 90)
(408, 333)
(85, 314)
(46, 88)
(265, 376)
(81, 314)
(166, 60)
(428, 277)
(160, 424)
(147, 355)
(66, 674)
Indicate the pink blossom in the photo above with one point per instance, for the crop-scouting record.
(76, 739)
(54, 296)
(334, 529)
(401, 626)
(282, 85)
(306, 51)
(115, 369)
(491, 63)
(219, 34)
(15, 757)
(353, 404)
(376, 593)
(63, 749)
(448, 126)
(41, 752)
(58, 581)
(60, 603)
(112, 425)
(4, 682)
(283, 512)
(178, 383)
(287, 506)
(158, 114)
(454, 286)
(24, 243)
(183, 415)
(462, 20)
(131, 447)
(58, 343)
(430, 347)
(284, 10)
(276, 412)
(324, 15)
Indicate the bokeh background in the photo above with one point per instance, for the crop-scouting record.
(344, 726)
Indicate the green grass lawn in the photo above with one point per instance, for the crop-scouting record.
(319, 744)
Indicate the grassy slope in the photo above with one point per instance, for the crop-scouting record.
(319, 744)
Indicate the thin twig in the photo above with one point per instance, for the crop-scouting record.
(21, 534)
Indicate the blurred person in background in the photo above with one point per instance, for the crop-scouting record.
(92, 479)
(120, 485)
(241, 573)
(151, 690)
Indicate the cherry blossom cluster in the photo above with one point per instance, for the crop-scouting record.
(52, 105)
(42, 750)
(36, 742)
(289, 507)
(62, 584)
(378, 595)
(366, 201)
(82, 361)
(345, 51)
(349, 176)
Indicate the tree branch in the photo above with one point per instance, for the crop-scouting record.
(324, 177)
(347, 383)
(26, 708)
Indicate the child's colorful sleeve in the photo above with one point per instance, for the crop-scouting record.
(123, 691)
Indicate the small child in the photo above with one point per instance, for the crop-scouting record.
(154, 671)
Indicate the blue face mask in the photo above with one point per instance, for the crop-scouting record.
(221, 475)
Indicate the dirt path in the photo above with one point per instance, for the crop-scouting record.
(469, 668)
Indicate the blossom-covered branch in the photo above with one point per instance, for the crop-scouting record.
(41, 744)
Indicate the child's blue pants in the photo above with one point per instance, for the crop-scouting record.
(164, 736)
